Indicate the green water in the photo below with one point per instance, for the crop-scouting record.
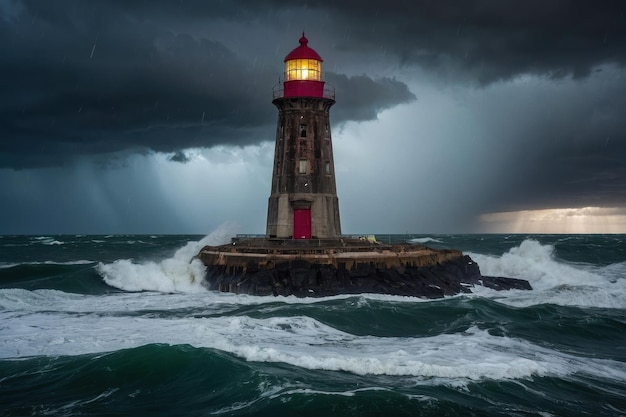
(72, 344)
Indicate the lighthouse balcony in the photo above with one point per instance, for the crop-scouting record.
(303, 89)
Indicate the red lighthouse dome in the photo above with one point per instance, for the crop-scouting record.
(303, 72)
(303, 51)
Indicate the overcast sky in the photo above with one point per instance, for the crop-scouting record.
(451, 117)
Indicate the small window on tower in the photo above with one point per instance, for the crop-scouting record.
(327, 167)
(302, 166)
(303, 131)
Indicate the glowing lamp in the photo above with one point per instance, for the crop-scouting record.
(303, 72)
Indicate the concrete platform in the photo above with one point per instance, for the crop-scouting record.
(322, 267)
(341, 253)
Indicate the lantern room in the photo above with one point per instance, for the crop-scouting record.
(303, 72)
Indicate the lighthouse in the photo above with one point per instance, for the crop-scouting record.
(303, 252)
(303, 203)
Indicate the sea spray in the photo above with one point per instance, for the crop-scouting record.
(553, 281)
(536, 263)
(180, 273)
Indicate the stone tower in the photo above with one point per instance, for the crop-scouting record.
(303, 203)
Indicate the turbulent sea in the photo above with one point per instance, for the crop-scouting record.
(122, 325)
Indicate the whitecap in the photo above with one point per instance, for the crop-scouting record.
(303, 342)
(180, 273)
(424, 240)
(553, 281)
(49, 241)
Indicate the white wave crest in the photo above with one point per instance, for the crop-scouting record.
(553, 282)
(180, 273)
(77, 262)
(424, 240)
(303, 342)
(50, 241)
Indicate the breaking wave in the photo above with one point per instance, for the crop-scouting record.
(180, 273)
(554, 281)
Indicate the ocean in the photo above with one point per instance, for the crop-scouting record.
(122, 326)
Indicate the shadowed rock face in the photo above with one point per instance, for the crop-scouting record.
(303, 278)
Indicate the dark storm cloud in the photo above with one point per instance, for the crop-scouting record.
(573, 151)
(81, 79)
(564, 143)
(107, 76)
(362, 98)
(483, 40)
(180, 157)
(104, 76)
(101, 76)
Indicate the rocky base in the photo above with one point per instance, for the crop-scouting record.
(306, 278)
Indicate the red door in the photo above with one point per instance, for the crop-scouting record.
(302, 223)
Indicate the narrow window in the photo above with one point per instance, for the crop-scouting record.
(303, 130)
(302, 166)
(328, 168)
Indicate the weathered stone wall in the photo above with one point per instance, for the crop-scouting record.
(305, 279)
(303, 134)
(304, 269)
